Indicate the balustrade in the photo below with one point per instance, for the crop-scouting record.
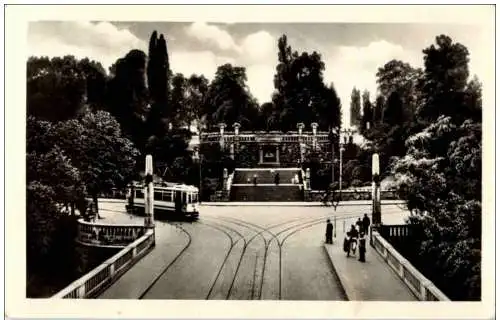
(91, 283)
(108, 235)
(423, 289)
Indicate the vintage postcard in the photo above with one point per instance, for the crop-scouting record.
(253, 161)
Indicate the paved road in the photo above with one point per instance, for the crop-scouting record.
(246, 253)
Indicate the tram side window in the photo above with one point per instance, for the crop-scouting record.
(139, 194)
(157, 195)
(195, 197)
(167, 196)
(184, 197)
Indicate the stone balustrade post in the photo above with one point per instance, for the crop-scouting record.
(221, 131)
(314, 127)
(236, 127)
(111, 269)
(81, 290)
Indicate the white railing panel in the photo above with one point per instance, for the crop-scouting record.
(422, 287)
(102, 274)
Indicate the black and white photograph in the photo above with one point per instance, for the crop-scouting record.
(285, 161)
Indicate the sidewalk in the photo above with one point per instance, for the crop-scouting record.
(372, 280)
(169, 242)
(297, 204)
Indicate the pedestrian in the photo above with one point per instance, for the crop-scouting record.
(359, 225)
(255, 179)
(362, 247)
(366, 223)
(329, 231)
(277, 178)
(347, 241)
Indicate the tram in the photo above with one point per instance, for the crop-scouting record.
(173, 200)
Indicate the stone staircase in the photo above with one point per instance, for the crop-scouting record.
(265, 175)
(242, 188)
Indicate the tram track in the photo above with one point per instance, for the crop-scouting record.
(170, 264)
(234, 239)
(308, 223)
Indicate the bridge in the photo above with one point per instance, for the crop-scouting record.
(246, 251)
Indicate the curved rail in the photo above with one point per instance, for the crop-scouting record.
(170, 264)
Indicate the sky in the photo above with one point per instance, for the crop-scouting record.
(352, 52)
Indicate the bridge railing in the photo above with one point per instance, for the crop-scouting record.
(260, 137)
(423, 288)
(93, 282)
(96, 234)
(351, 195)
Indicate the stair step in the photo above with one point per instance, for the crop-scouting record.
(266, 193)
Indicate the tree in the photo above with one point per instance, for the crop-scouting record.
(127, 96)
(355, 108)
(400, 77)
(378, 110)
(367, 117)
(197, 89)
(441, 179)
(104, 158)
(267, 117)
(300, 93)
(178, 102)
(159, 76)
(59, 88)
(445, 81)
(109, 159)
(54, 169)
(393, 112)
(229, 99)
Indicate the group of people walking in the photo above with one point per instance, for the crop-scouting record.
(355, 238)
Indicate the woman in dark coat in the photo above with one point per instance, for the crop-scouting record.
(329, 231)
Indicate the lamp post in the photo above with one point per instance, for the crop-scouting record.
(376, 209)
(333, 136)
(197, 158)
(300, 127)
(345, 136)
(149, 193)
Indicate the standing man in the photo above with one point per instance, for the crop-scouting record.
(366, 223)
(362, 247)
(359, 224)
(329, 231)
(277, 178)
(254, 179)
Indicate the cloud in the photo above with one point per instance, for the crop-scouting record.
(197, 62)
(211, 35)
(260, 81)
(257, 52)
(100, 41)
(259, 47)
(356, 66)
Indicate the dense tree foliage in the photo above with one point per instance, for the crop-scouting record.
(355, 109)
(59, 88)
(229, 100)
(158, 76)
(440, 174)
(300, 92)
(65, 161)
(127, 96)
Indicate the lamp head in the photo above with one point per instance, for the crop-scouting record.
(375, 164)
